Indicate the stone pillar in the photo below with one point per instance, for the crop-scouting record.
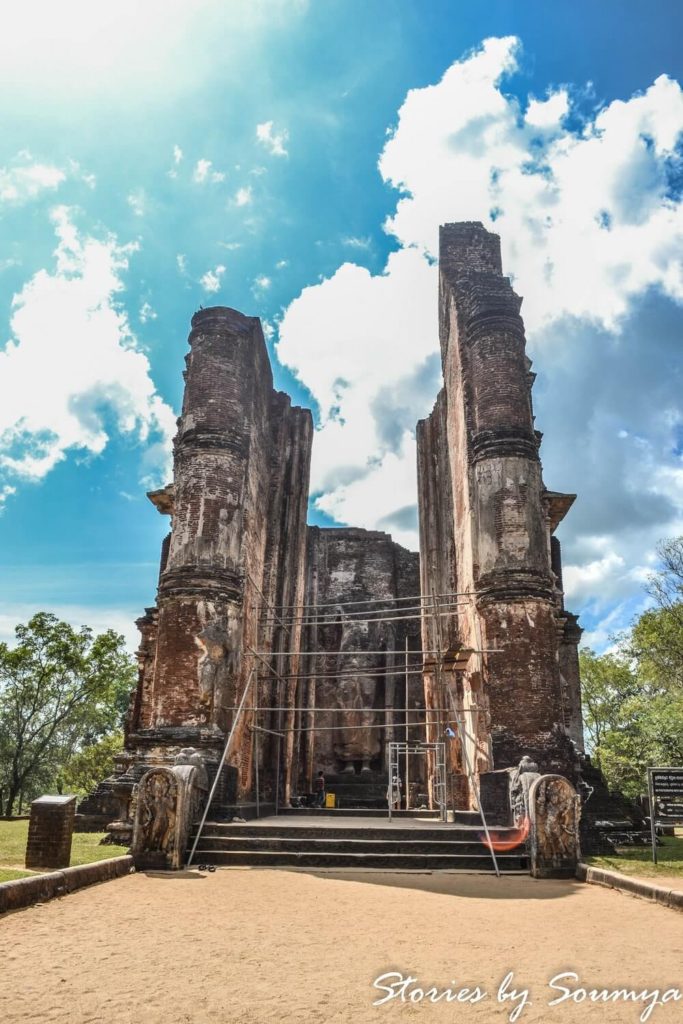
(50, 830)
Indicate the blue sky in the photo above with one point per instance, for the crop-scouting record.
(293, 160)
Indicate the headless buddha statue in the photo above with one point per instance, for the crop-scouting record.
(355, 691)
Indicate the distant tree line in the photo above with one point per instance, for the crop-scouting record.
(63, 695)
(633, 695)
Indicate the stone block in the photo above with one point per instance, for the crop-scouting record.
(50, 832)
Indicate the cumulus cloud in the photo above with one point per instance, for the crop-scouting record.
(350, 341)
(273, 140)
(72, 371)
(243, 196)
(26, 180)
(587, 218)
(211, 281)
(591, 222)
(204, 172)
(262, 283)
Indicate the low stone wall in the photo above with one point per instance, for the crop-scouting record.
(644, 888)
(23, 892)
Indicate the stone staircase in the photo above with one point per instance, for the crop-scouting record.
(424, 846)
(365, 789)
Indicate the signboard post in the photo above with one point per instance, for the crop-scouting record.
(665, 790)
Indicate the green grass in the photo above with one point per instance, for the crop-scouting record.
(638, 860)
(85, 849)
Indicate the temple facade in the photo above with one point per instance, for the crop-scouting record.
(314, 649)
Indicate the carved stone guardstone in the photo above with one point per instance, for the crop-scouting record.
(554, 811)
(167, 802)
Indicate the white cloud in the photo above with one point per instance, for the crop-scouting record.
(357, 243)
(262, 283)
(548, 113)
(6, 491)
(25, 181)
(147, 313)
(137, 202)
(211, 281)
(350, 341)
(281, 264)
(72, 370)
(203, 173)
(273, 140)
(181, 263)
(177, 155)
(243, 196)
(585, 217)
(589, 225)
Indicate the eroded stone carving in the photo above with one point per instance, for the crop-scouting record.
(156, 812)
(355, 691)
(167, 801)
(521, 779)
(554, 808)
(219, 662)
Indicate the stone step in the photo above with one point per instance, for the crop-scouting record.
(289, 844)
(508, 863)
(358, 812)
(442, 833)
(350, 812)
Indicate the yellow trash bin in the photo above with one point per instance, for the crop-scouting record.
(329, 800)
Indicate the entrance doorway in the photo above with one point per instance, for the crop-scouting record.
(399, 753)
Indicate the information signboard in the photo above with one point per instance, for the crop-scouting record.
(665, 789)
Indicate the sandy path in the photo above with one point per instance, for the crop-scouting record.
(259, 946)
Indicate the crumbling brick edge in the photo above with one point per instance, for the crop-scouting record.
(646, 890)
(23, 892)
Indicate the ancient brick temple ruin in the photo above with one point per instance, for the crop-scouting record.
(345, 640)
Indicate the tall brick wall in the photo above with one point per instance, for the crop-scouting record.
(483, 505)
(237, 545)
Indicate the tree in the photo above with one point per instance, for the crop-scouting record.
(61, 689)
(657, 637)
(88, 766)
(633, 699)
(607, 683)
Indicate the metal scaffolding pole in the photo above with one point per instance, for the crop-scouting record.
(216, 780)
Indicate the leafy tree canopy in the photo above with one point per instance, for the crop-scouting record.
(61, 690)
(633, 696)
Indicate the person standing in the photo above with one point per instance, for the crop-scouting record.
(319, 789)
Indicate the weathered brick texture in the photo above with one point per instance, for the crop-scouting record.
(50, 831)
(241, 573)
(237, 546)
(486, 520)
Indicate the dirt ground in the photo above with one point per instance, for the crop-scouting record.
(253, 946)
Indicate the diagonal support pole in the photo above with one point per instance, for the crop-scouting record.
(226, 748)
